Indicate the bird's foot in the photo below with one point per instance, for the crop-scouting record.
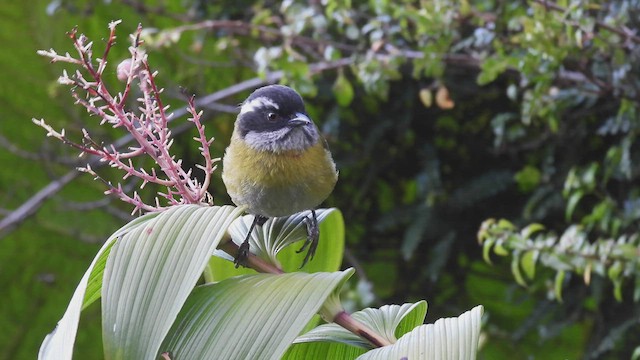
(313, 237)
(243, 250)
(243, 253)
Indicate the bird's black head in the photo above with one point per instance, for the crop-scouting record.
(273, 118)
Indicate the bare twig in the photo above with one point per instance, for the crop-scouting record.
(28, 208)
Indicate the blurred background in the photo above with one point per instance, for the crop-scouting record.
(440, 115)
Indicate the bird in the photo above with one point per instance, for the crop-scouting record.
(277, 163)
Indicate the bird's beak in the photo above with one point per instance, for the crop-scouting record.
(300, 120)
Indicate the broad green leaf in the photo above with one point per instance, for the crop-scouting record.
(94, 286)
(151, 272)
(449, 338)
(330, 250)
(273, 241)
(390, 321)
(249, 317)
(58, 345)
(323, 350)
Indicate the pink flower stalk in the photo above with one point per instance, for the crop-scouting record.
(148, 124)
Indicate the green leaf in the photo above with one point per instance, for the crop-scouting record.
(491, 68)
(504, 224)
(486, 250)
(249, 317)
(615, 270)
(273, 241)
(515, 269)
(343, 90)
(617, 289)
(530, 230)
(572, 203)
(449, 338)
(528, 263)
(558, 282)
(151, 271)
(500, 250)
(323, 350)
(389, 321)
(58, 345)
(528, 178)
(329, 254)
(94, 285)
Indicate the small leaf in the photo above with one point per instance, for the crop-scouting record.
(617, 289)
(528, 263)
(484, 231)
(486, 249)
(426, 97)
(504, 224)
(443, 100)
(515, 270)
(500, 250)
(530, 230)
(343, 90)
(528, 178)
(558, 282)
(572, 203)
(615, 270)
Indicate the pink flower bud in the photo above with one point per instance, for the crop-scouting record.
(124, 69)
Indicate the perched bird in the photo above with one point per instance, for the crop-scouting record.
(277, 163)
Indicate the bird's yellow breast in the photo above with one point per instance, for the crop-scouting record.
(278, 184)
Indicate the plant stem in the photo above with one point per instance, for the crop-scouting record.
(252, 261)
(345, 320)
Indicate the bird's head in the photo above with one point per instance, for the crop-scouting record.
(273, 118)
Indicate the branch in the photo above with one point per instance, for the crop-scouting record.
(626, 33)
(28, 208)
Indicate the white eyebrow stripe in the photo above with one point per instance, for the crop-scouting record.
(257, 103)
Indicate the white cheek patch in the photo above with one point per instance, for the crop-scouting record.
(258, 103)
(285, 139)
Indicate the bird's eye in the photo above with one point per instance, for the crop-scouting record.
(272, 116)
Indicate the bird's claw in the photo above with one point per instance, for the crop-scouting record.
(243, 253)
(313, 236)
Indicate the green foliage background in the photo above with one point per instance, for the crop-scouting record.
(543, 129)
